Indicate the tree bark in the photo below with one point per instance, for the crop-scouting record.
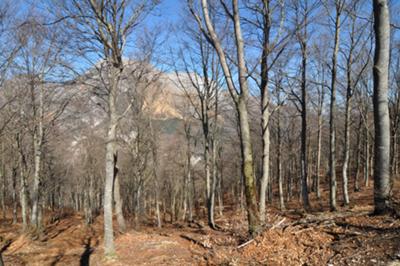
(118, 199)
(382, 184)
(319, 140)
(23, 191)
(37, 150)
(332, 117)
(279, 160)
(366, 148)
(14, 194)
(109, 248)
(265, 115)
(346, 150)
(303, 156)
(357, 172)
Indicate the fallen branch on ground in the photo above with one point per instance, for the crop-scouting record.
(204, 244)
(245, 243)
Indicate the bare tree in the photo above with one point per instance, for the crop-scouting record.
(201, 84)
(40, 53)
(240, 95)
(353, 76)
(105, 26)
(269, 18)
(339, 4)
(303, 16)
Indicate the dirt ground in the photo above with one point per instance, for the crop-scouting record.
(350, 236)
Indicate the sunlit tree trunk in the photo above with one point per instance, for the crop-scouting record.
(37, 150)
(118, 199)
(332, 117)
(23, 197)
(240, 96)
(382, 185)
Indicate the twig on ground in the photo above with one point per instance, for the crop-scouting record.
(198, 242)
(278, 224)
(245, 243)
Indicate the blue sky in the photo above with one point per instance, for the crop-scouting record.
(167, 12)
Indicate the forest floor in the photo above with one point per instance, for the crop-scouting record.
(350, 236)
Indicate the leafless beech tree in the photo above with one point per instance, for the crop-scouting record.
(104, 27)
(354, 70)
(339, 5)
(201, 83)
(240, 95)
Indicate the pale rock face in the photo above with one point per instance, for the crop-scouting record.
(163, 101)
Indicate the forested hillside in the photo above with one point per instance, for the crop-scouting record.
(199, 132)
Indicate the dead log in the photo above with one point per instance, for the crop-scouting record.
(204, 244)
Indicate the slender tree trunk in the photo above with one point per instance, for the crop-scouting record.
(395, 153)
(214, 175)
(157, 199)
(332, 118)
(382, 182)
(189, 192)
(290, 179)
(209, 196)
(303, 156)
(346, 150)
(265, 179)
(366, 160)
(191, 185)
(14, 194)
(37, 150)
(86, 207)
(357, 172)
(279, 162)
(23, 191)
(319, 140)
(265, 115)
(220, 183)
(155, 175)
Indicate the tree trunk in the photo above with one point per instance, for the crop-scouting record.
(23, 191)
(214, 175)
(247, 168)
(366, 147)
(357, 172)
(279, 161)
(319, 139)
(209, 196)
(190, 196)
(346, 149)
(382, 184)
(265, 115)
(14, 194)
(37, 150)
(220, 183)
(118, 199)
(109, 249)
(303, 156)
(332, 129)
(265, 179)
